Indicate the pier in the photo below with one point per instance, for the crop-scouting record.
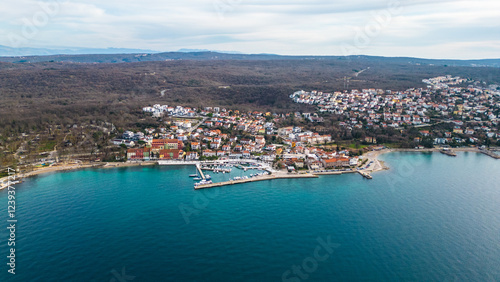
(365, 174)
(332, 172)
(254, 179)
(216, 169)
(198, 167)
(448, 152)
(490, 153)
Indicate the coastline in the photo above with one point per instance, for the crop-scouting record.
(380, 165)
(372, 156)
(72, 167)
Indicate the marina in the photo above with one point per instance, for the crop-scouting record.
(265, 172)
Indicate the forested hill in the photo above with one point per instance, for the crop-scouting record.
(148, 57)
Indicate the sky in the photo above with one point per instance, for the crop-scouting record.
(438, 29)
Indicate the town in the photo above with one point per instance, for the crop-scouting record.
(472, 111)
(450, 112)
(212, 133)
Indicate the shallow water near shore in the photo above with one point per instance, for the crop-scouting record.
(430, 217)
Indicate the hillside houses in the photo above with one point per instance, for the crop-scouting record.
(465, 115)
(443, 101)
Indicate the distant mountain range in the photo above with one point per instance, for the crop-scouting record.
(120, 55)
(184, 50)
(6, 51)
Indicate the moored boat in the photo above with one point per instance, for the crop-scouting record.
(203, 182)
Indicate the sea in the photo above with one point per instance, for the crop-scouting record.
(431, 217)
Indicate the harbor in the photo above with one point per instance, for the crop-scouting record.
(265, 172)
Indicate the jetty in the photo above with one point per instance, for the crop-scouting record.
(489, 153)
(448, 152)
(332, 172)
(365, 174)
(257, 178)
(216, 169)
(198, 167)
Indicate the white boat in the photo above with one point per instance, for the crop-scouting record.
(203, 182)
(193, 175)
(197, 178)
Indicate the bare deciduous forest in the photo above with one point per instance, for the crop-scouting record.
(37, 96)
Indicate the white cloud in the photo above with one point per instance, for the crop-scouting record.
(424, 28)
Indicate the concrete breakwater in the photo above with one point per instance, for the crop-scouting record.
(254, 179)
(490, 153)
(448, 152)
(337, 172)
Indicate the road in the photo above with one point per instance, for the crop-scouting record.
(196, 126)
(358, 73)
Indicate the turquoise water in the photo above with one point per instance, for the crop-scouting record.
(430, 218)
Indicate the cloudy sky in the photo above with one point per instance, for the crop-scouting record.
(417, 28)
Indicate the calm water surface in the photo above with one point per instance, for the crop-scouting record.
(430, 218)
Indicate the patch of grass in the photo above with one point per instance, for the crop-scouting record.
(47, 146)
(359, 146)
(391, 145)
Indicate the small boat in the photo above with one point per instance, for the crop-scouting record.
(193, 175)
(197, 178)
(207, 177)
(203, 182)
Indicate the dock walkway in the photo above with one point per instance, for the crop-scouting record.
(254, 179)
(365, 174)
(198, 167)
(448, 152)
(489, 153)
